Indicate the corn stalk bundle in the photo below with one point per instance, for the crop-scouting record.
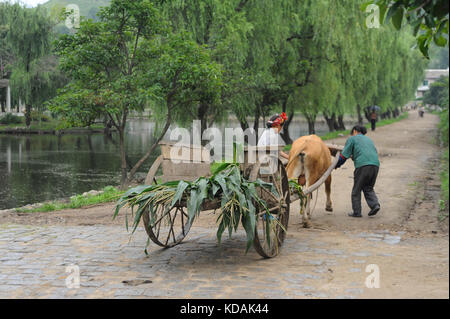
(239, 200)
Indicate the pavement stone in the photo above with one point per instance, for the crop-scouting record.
(37, 262)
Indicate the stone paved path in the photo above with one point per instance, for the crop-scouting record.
(313, 264)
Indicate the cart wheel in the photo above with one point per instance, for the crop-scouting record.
(276, 223)
(165, 227)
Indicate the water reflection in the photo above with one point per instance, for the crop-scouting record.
(35, 168)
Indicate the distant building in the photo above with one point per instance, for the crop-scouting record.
(432, 75)
(6, 104)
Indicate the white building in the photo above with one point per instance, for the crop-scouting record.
(432, 75)
(4, 84)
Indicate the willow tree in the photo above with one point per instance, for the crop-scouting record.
(6, 54)
(126, 61)
(222, 28)
(34, 75)
(245, 36)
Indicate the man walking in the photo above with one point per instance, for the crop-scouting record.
(373, 119)
(365, 157)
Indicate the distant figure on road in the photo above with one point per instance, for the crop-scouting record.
(421, 111)
(373, 119)
(365, 157)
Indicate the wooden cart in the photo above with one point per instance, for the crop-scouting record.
(188, 163)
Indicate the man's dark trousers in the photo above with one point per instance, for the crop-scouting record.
(364, 180)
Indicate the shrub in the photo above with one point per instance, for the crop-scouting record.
(37, 116)
(11, 119)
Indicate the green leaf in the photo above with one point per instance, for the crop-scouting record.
(440, 41)
(398, 18)
(182, 185)
(392, 11)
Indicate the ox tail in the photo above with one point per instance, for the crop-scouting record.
(294, 155)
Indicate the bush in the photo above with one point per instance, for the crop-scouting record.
(11, 119)
(444, 126)
(36, 116)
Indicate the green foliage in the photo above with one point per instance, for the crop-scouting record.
(25, 54)
(11, 119)
(239, 199)
(126, 62)
(37, 116)
(429, 19)
(439, 57)
(109, 194)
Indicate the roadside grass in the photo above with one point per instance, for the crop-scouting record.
(443, 203)
(336, 134)
(109, 194)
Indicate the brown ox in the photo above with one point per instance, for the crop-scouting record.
(309, 159)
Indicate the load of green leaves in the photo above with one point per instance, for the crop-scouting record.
(239, 200)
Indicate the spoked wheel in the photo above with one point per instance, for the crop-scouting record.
(165, 227)
(276, 223)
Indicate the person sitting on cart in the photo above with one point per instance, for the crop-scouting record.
(271, 135)
(365, 157)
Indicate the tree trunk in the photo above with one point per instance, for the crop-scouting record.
(244, 124)
(389, 114)
(396, 112)
(28, 115)
(202, 116)
(358, 110)
(152, 148)
(335, 123)
(311, 124)
(341, 122)
(330, 122)
(256, 120)
(123, 157)
(285, 132)
(367, 115)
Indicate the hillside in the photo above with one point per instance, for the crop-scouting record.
(88, 8)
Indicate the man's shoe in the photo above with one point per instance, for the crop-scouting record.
(354, 215)
(374, 211)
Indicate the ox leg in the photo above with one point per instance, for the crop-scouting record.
(307, 213)
(329, 207)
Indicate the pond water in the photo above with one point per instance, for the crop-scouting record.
(37, 168)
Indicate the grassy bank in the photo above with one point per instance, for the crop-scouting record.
(336, 134)
(443, 127)
(49, 124)
(109, 194)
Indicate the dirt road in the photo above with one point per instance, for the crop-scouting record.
(405, 241)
